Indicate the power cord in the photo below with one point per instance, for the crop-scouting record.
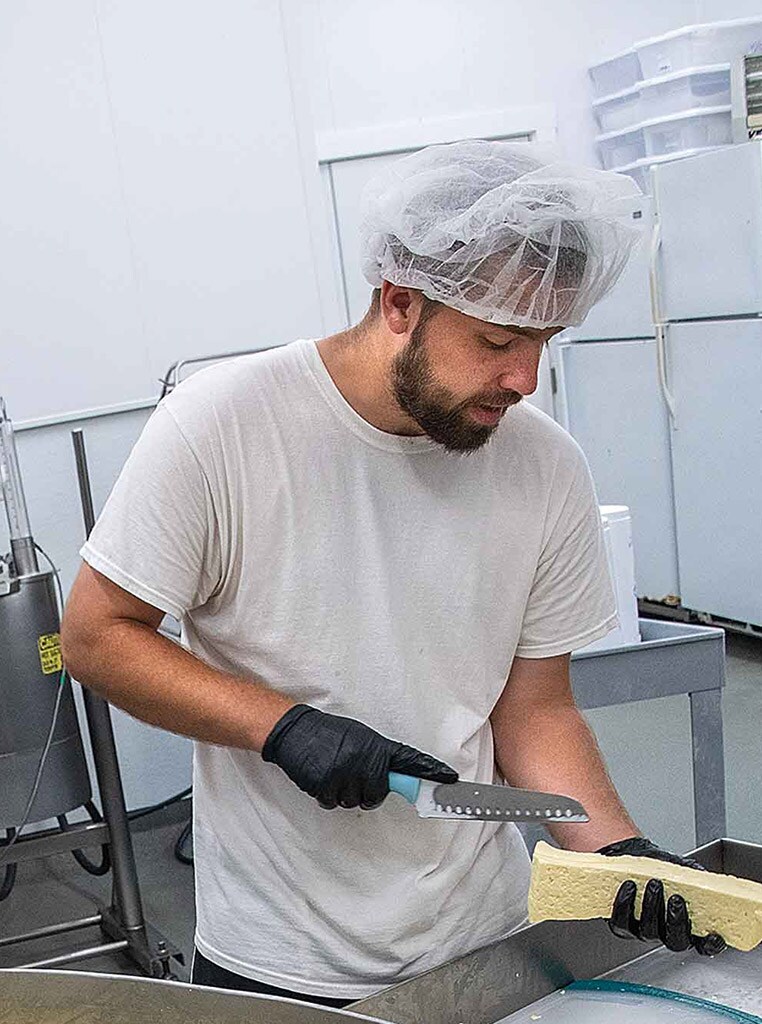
(9, 877)
(184, 845)
(4, 850)
(143, 811)
(79, 855)
(13, 834)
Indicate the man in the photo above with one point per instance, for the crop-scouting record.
(359, 597)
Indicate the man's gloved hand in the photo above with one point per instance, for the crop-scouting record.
(340, 761)
(670, 923)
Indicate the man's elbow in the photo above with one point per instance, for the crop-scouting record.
(79, 647)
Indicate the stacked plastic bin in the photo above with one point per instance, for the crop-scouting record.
(669, 97)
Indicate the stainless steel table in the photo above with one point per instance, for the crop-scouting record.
(672, 659)
(489, 984)
(483, 987)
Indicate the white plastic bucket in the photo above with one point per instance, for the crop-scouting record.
(617, 536)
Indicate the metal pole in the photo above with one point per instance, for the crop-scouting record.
(72, 958)
(126, 890)
(708, 764)
(53, 929)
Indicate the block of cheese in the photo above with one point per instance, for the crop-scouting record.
(568, 886)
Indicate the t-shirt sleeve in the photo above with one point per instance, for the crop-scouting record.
(156, 536)
(571, 602)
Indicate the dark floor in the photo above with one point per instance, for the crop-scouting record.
(647, 747)
(57, 889)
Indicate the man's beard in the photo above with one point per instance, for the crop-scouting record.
(433, 407)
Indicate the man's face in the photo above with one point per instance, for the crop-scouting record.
(457, 376)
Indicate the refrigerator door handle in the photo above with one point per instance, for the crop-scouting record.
(661, 363)
(659, 325)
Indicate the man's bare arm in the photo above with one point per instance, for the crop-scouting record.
(110, 644)
(543, 742)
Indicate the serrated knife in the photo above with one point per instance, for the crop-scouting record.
(481, 802)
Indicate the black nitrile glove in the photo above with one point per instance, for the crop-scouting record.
(670, 923)
(340, 761)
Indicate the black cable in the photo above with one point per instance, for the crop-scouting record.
(38, 776)
(12, 834)
(79, 855)
(9, 877)
(184, 845)
(143, 811)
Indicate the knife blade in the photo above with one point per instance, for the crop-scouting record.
(481, 802)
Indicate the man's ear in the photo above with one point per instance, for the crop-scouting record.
(400, 307)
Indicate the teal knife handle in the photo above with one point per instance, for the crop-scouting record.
(405, 785)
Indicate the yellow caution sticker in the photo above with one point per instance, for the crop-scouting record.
(49, 647)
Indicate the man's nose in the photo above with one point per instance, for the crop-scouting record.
(521, 375)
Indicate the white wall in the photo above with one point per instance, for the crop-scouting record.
(153, 201)
(724, 10)
(400, 61)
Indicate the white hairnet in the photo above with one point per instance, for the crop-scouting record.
(496, 231)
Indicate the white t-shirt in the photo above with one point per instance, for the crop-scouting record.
(370, 575)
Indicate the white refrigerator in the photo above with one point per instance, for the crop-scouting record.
(606, 395)
(708, 272)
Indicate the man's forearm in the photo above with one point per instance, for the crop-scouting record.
(554, 749)
(158, 681)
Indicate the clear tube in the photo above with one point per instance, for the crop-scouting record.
(10, 478)
(22, 543)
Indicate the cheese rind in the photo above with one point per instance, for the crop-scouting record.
(569, 886)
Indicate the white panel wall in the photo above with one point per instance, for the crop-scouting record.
(212, 178)
(69, 312)
(153, 199)
(724, 10)
(397, 61)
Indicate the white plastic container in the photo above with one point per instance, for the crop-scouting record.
(691, 129)
(640, 170)
(696, 45)
(623, 147)
(622, 110)
(617, 536)
(616, 73)
(690, 89)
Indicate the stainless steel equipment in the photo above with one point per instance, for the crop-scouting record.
(37, 997)
(31, 672)
(34, 692)
(489, 984)
(481, 988)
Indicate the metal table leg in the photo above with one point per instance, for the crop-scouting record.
(708, 765)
